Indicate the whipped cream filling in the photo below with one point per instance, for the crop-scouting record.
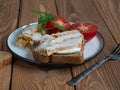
(62, 43)
(69, 51)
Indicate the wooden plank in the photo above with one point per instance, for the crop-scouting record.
(27, 76)
(5, 76)
(8, 22)
(109, 11)
(105, 77)
(29, 17)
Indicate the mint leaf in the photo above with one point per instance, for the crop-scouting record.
(59, 27)
(42, 19)
(45, 17)
(50, 17)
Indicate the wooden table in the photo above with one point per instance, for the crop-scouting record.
(23, 76)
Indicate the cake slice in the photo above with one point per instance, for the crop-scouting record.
(29, 37)
(5, 58)
(64, 47)
(61, 43)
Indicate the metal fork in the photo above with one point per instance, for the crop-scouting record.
(114, 55)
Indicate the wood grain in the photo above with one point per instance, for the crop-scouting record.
(8, 22)
(110, 12)
(26, 16)
(28, 77)
(5, 76)
(103, 78)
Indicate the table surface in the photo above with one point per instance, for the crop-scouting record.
(23, 76)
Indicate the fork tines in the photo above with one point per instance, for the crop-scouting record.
(116, 50)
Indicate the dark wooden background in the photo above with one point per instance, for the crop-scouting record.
(23, 76)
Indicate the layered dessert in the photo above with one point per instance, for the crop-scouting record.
(54, 39)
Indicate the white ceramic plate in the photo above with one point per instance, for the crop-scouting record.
(92, 48)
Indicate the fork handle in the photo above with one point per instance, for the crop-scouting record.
(85, 73)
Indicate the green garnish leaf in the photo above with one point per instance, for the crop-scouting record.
(45, 17)
(42, 19)
(50, 17)
(59, 27)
